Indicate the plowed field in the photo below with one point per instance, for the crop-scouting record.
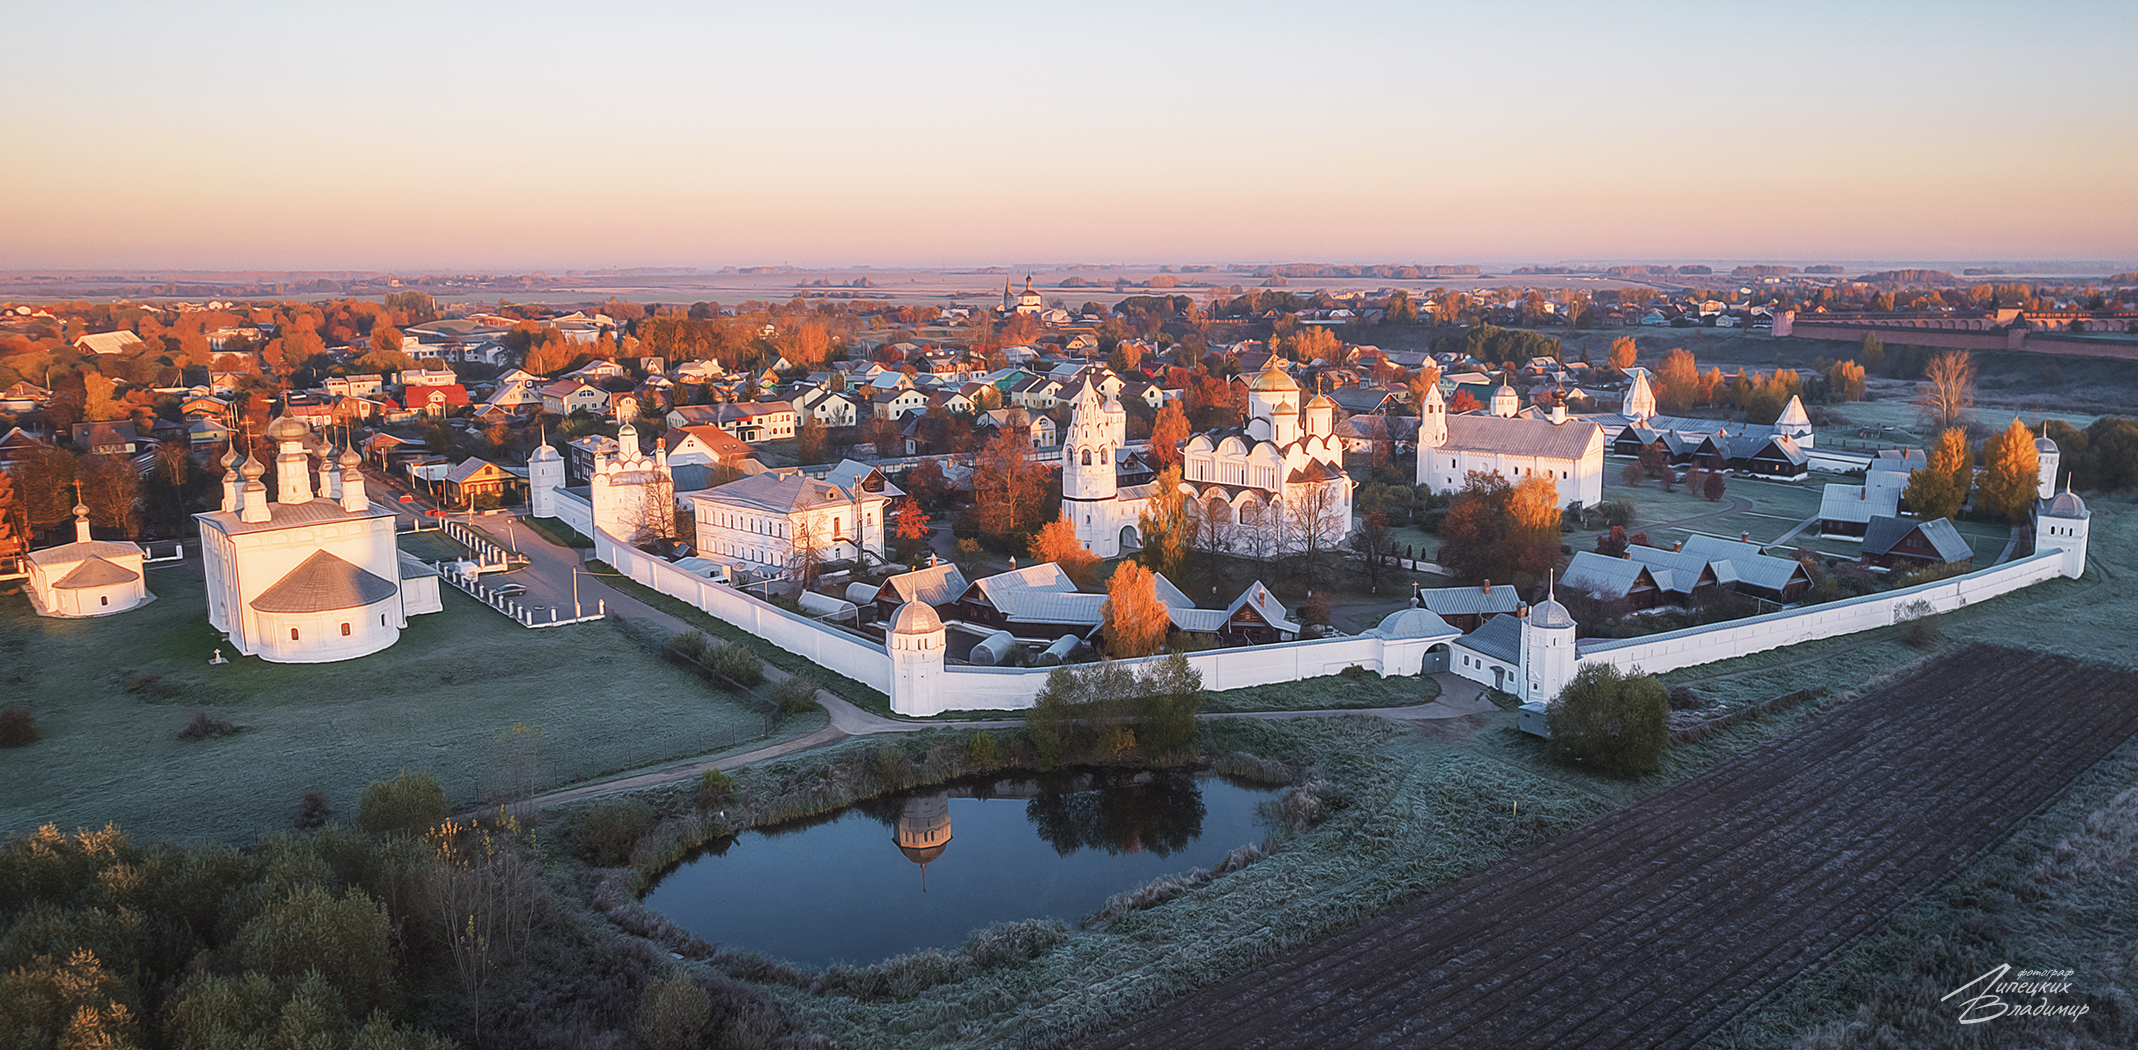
(1652, 926)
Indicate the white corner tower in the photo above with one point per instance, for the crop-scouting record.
(1547, 649)
(915, 642)
(1639, 406)
(1795, 423)
(2061, 526)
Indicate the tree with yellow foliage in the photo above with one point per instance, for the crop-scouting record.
(1940, 489)
(1846, 378)
(1315, 343)
(1135, 620)
(1623, 353)
(100, 405)
(2010, 471)
(1057, 542)
(1167, 533)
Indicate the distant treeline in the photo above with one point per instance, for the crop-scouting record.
(1387, 270)
(1901, 277)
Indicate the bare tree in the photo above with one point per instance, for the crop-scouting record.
(1951, 390)
(805, 554)
(653, 517)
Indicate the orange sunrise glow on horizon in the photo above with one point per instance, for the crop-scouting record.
(239, 135)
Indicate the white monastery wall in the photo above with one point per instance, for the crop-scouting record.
(827, 647)
(1658, 653)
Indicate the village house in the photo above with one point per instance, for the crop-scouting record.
(1901, 544)
(750, 421)
(475, 479)
(111, 438)
(566, 396)
(707, 445)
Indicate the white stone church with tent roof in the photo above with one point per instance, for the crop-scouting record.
(1273, 485)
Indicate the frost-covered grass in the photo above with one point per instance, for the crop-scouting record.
(1330, 692)
(1404, 814)
(111, 695)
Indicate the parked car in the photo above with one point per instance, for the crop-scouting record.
(510, 590)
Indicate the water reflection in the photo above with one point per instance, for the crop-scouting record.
(923, 831)
(882, 877)
(1159, 813)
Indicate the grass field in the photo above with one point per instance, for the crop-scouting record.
(110, 696)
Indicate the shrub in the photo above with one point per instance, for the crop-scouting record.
(981, 749)
(672, 1014)
(606, 833)
(409, 802)
(795, 695)
(1684, 699)
(734, 663)
(891, 766)
(714, 788)
(18, 727)
(204, 726)
(1609, 722)
(1919, 624)
(313, 811)
(691, 644)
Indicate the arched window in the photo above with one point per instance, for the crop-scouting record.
(345, 630)
(1087, 457)
(1220, 512)
(1102, 457)
(103, 599)
(293, 634)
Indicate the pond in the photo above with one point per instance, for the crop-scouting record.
(924, 869)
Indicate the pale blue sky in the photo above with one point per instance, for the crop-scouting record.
(531, 135)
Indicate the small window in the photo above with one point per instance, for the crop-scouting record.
(104, 599)
(345, 630)
(382, 619)
(293, 634)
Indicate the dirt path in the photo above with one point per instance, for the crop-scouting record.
(1654, 925)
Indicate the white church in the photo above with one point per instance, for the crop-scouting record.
(307, 577)
(1275, 485)
(87, 577)
(1567, 452)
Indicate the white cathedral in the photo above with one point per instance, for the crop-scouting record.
(307, 578)
(1567, 452)
(1275, 485)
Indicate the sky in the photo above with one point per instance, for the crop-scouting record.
(529, 135)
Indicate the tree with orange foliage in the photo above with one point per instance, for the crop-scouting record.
(1057, 542)
(1463, 402)
(1846, 379)
(1677, 382)
(909, 522)
(1136, 622)
(1315, 343)
(1623, 353)
(13, 527)
(1168, 432)
(1533, 517)
(2011, 471)
(1422, 383)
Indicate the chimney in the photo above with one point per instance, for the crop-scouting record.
(1488, 586)
(1744, 537)
(1521, 611)
(1678, 546)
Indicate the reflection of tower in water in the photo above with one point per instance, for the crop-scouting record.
(924, 830)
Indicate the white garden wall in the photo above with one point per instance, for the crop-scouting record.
(1658, 653)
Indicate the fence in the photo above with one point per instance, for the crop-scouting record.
(489, 557)
(473, 585)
